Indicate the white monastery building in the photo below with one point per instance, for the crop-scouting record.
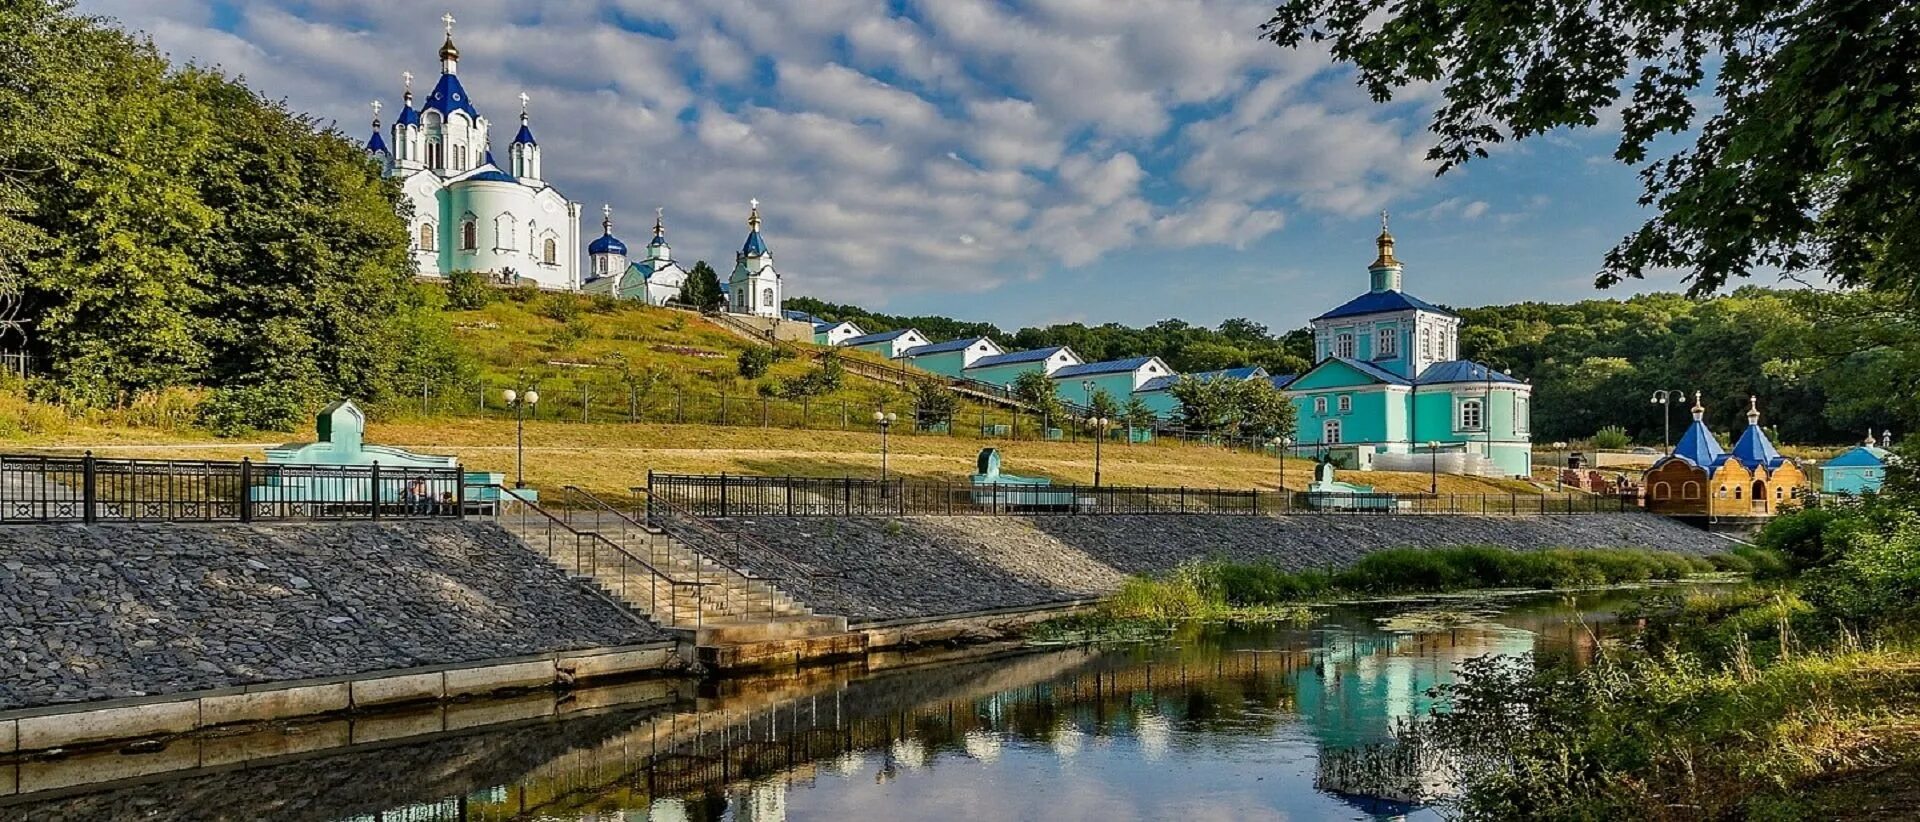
(473, 213)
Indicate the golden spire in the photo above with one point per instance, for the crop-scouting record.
(753, 214)
(659, 218)
(1699, 410)
(1870, 440)
(1386, 259)
(448, 51)
(1753, 410)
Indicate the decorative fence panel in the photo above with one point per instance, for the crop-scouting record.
(47, 489)
(725, 495)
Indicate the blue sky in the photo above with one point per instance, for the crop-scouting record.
(1016, 161)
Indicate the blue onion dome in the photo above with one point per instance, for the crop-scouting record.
(607, 244)
(755, 245)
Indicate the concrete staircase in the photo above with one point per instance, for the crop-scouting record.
(726, 608)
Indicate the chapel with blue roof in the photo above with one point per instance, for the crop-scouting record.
(1700, 478)
(1389, 387)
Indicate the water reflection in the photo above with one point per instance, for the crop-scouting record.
(1220, 723)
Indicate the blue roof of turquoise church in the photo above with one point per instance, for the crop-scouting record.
(1754, 449)
(1698, 445)
(1108, 367)
(1013, 357)
(378, 144)
(1378, 302)
(525, 135)
(1461, 371)
(942, 347)
(408, 117)
(1860, 456)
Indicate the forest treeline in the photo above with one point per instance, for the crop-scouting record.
(1825, 365)
(165, 227)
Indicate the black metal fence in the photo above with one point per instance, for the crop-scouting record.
(43, 489)
(725, 495)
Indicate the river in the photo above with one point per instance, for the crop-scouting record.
(1215, 723)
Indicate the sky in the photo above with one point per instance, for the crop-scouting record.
(1021, 162)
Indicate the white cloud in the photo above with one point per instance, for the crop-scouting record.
(935, 145)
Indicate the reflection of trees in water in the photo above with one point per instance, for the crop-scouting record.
(1344, 685)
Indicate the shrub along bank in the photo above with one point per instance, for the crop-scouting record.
(1218, 588)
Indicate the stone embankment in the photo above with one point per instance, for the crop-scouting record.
(126, 610)
(874, 568)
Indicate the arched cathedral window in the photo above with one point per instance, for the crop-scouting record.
(550, 252)
(504, 233)
(469, 235)
(426, 237)
(766, 298)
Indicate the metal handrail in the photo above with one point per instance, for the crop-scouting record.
(653, 597)
(800, 568)
(750, 576)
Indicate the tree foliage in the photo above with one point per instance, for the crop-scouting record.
(1040, 393)
(702, 287)
(171, 227)
(1247, 408)
(1802, 162)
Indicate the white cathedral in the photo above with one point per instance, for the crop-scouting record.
(472, 214)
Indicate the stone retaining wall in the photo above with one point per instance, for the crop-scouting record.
(924, 566)
(126, 610)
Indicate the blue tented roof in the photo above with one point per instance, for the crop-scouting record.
(1860, 456)
(408, 117)
(1754, 449)
(525, 135)
(1108, 367)
(1016, 357)
(1461, 371)
(378, 144)
(755, 246)
(941, 347)
(1698, 446)
(449, 96)
(1379, 302)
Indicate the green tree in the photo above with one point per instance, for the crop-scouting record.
(754, 361)
(1205, 405)
(468, 290)
(1136, 414)
(1040, 394)
(1263, 411)
(1802, 162)
(1102, 404)
(932, 403)
(702, 288)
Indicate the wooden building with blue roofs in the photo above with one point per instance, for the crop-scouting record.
(1699, 478)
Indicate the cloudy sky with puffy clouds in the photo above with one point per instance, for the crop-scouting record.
(1016, 161)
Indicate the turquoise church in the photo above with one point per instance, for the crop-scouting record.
(1859, 470)
(1391, 391)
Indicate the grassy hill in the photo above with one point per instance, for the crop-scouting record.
(679, 376)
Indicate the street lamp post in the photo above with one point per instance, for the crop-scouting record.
(1099, 426)
(1280, 446)
(1665, 399)
(1559, 463)
(885, 420)
(1433, 467)
(519, 402)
